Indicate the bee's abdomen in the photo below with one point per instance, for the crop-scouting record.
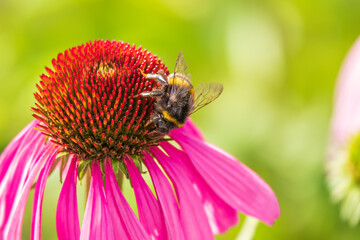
(172, 119)
(178, 112)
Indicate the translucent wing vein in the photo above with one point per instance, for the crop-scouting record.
(206, 93)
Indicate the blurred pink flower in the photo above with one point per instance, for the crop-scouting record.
(346, 115)
(90, 117)
(343, 165)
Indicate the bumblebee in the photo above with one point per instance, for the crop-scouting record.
(176, 99)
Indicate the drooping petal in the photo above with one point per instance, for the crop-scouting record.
(166, 198)
(235, 183)
(121, 212)
(67, 216)
(150, 213)
(7, 156)
(346, 116)
(15, 161)
(38, 198)
(97, 223)
(220, 215)
(121, 229)
(192, 214)
(13, 224)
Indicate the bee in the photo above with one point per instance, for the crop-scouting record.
(176, 99)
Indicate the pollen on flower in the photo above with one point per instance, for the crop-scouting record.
(89, 102)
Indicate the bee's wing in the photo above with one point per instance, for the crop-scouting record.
(206, 93)
(182, 75)
(181, 66)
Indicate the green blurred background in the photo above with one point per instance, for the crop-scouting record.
(277, 59)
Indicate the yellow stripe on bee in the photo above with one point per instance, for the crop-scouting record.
(179, 81)
(192, 92)
(171, 119)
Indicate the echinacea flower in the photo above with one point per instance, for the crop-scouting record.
(343, 165)
(91, 118)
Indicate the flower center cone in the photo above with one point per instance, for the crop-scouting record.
(89, 103)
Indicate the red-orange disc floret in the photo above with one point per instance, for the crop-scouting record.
(89, 102)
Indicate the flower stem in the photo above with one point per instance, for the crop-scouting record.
(87, 182)
(120, 178)
(248, 230)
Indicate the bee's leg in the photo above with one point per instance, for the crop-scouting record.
(152, 94)
(154, 119)
(160, 77)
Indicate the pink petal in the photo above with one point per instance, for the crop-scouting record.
(192, 214)
(235, 183)
(150, 213)
(190, 129)
(97, 223)
(15, 162)
(121, 229)
(22, 138)
(220, 215)
(346, 116)
(13, 224)
(67, 216)
(166, 198)
(20, 163)
(121, 212)
(38, 198)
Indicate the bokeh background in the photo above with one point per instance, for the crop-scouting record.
(278, 61)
